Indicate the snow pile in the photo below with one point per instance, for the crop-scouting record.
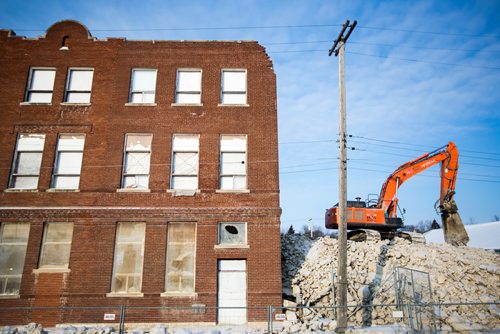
(481, 235)
(457, 275)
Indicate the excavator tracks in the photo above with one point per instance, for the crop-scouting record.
(361, 235)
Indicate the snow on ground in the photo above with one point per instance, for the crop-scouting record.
(486, 235)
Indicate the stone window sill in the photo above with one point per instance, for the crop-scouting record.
(14, 190)
(179, 294)
(125, 294)
(61, 190)
(233, 105)
(132, 190)
(35, 103)
(51, 270)
(187, 104)
(232, 246)
(10, 296)
(75, 104)
(130, 104)
(232, 191)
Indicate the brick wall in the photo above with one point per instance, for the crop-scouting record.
(97, 207)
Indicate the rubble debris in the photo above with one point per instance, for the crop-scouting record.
(457, 274)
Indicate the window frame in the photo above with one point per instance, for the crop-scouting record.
(232, 245)
(142, 92)
(194, 245)
(67, 91)
(14, 175)
(2, 244)
(125, 160)
(141, 274)
(221, 175)
(29, 84)
(173, 174)
(177, 81)
(45, 243)
(55, 175)
(235, 92)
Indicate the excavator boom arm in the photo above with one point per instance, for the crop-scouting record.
(447, 155)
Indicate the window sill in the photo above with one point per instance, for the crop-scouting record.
(125, 294)
(231, 191)
(179, 294)
(233, 105)
(35, 103)
(187, 104)
(75, 104)
(130, 104)
(51, 270)
(132, 190)
(62, 190)
(10, 296)
(15, 190)
(183, 192)
(240, 246)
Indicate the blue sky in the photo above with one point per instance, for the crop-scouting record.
(418, 74)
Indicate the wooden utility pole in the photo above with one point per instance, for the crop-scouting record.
(338, 49)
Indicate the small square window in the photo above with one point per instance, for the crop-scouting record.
(188, 90)
(40, 85)
(79, 85)
(234, 87)
(232, 234)
(143, 86)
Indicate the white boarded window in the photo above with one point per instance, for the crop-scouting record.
(56, 246)
(180, 268)
(68, 163)
(13, 244)
(40, 85)
(128, 260)
(232, 234)
(233, 162)
(136, 161)
(79, 85)
(188, 89)
(143, 86)
(234, 86)
(185, 157)
(27, 161)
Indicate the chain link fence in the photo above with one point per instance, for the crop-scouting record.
(384, 318)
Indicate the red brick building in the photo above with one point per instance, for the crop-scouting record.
(138, 173)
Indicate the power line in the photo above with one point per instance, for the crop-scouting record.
(430, 32)
(424, 61)
(206, 28)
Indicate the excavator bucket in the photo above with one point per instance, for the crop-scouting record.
(454, 230)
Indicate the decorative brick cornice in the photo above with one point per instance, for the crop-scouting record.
(191, 213)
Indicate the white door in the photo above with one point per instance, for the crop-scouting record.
(232, 292)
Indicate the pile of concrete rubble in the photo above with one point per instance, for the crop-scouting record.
(457, 275)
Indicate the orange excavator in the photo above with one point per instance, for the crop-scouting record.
(364, 218)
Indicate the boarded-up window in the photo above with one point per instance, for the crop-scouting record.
(13, 243)
(143, 86)
(136, 161)
(233, 162)
(234, 87)
(188, 90)
(180, 258)
(56, 246)
(129, 255)
(185, 162)
(68, 164)
(27, 160)
(232, 233)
